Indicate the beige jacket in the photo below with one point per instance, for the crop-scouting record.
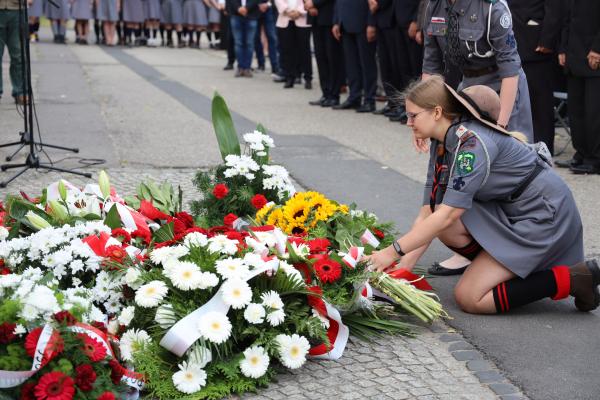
(9, 4)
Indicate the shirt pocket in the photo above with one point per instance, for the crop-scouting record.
(437, 29)
(470, 34)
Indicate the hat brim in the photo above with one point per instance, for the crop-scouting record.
(473, 111)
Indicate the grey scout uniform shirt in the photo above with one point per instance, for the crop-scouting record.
(475, 39)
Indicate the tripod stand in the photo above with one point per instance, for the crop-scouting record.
(27, 138)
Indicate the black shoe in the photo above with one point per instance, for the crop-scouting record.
(228, 67)
(261, 68)
(298, 81)
(568, 163)
(582, 169)
(308, 85)
(366, 108)
(383, 110)
(279, 79)
(437, 269)
(348, 105)
(331, 103)
(585, 278)
(399, 116)
(318, 102)
(289, 84)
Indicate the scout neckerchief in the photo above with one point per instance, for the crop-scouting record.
(437, 188)
(454, 50)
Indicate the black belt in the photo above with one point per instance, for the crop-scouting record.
(475, 73)
(539, 167)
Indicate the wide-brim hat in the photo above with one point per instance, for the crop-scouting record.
(482, 102)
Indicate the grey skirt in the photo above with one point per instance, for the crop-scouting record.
(107, 11)
(61, 12)
(133, 11)
(81, 9)
(172, 12)
(214, 16)
(151, 9)
(37, 8)
(539, 230)
(194, 13)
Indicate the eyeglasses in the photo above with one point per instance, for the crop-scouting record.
(412, 116)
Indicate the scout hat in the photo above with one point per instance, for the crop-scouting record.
(482, 102)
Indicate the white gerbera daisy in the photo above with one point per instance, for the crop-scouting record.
(185, 275)
(236, 293)
(255, 362)
(133, 341)
(163, 254)
(215, 326)
(276, 317)
(151, 294)
(292, 350)
(195, 239)
(207, 280)
(132, 276)
(127, 315)
(272, 300)
(254, 313)
(232, 268)
(222, 244)
(190, 378)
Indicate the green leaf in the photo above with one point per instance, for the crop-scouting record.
(165, 233)
(113, 219)
(224, 128)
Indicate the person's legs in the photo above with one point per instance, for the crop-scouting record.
(270, 32)
(258, 46)
(353, 68)
(11, 27)
(251, 26)
(304, 58)
(368, 65)
(542, 101)
(576, 109)
(319, 33)
(592, 120)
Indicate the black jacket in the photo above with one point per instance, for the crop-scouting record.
(405, 12)
(384, 16)
(353, 15)
(536, 23)
(325, 16)
(581, 34)
(252, 5)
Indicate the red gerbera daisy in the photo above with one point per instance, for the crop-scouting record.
(220, 191)
(258, 201)
(92, 348)
(318, 245)
(85, 377)
(7, 332)
(327, 270)
(55, 344)
(27, 391)
(115, 253)
(107, 396)
(121, 233)
(55, 386)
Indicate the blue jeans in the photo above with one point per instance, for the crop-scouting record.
(268, 21)
(244, 30)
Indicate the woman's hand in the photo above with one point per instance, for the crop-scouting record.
(421, 145)
(383, 259)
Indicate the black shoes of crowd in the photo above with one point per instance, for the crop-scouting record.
(578, 167)
(394, 113)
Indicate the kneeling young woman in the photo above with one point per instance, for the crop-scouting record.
(493, 199)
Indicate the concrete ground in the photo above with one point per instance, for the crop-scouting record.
(146, 112)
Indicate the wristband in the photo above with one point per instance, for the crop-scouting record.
(398, 249)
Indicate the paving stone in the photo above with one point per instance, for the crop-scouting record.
(479, 365)
(466, 355)
(459, 346)
(513, 397)
(503, 388)
(451, 337)
(489, 376)
(419, 391)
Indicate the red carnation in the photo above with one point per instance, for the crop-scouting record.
(220, 191)
(258, 201)
(101, 326)
(4, 271)
(55, 386)
(107, 396)
(186, 218)
(55, 344)
(318, 245)
(92, 348)
(65, 317)
(149, 211)
(7, 332)
(229, 219)
(178, 225)
(116, 371)
(115, 253)
(379, 233)
(143, 234)
(327, 270)
(120, 232)
(85, 376)
(27, 391)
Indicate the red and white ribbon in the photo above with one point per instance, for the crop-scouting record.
(368, 238)
(338, 331)
(353, 256)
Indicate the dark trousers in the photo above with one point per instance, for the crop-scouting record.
(227, 42)
(295, 51)
(9, 37)
(361, 66)
(584, 118)
(542, 100)
(409, 56)
(267, 20)
(329, 55)
(388, 63)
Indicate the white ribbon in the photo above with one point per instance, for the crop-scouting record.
(368, 238)
(353, 256)
(339, 345)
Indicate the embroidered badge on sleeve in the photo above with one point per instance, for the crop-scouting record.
(465, 163)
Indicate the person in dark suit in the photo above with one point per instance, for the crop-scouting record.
(328, 52)
(580, 54)
(536, 25)
(354, 24)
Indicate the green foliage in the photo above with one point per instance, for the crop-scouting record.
(9, 309)
(224, 128)
(163, 197)
(113, 219)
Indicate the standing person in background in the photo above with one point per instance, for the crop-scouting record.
(172, 17)
(328, 52)
(244, 15)
(10, 37)
(266, 21)
(537, 25)
(580, 55)
(59, 16)
(133, 16)
(35, 11)
(214, 23)
(294, 33)
(354, 25)
(227, 42)
(195, 20)
(108, 13)
(81, 11)
(152, 21)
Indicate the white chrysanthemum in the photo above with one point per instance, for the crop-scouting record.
(255, 362)
(222, 244)
(207, 280)
(151, 294)
(292, 350)
(132, 277)
(43, 299)
(199, 355)
(291, 271)
(254, 313)
(185, 275)
(272, 300)
(127, 315)
(165, 316)
(190, 378)
(215, 326)
(10, 281)
(96, 315)
(236, 293)
(19, 330)
(163, 254)
(232, 268)
(3, 233)
(76, 266)
(276, 317)
(195, 239)
(131, 342)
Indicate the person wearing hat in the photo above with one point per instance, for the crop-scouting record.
(476, 36)
(499, 203)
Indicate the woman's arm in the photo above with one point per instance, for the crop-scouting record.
(508, 94)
